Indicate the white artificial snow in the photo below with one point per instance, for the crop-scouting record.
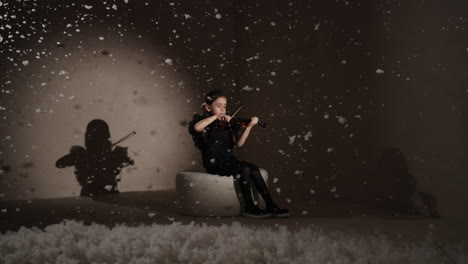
(74, 242)
(307, 136)
(379, 71)
(168, 61)
(275, 180)
(291, 139)
(247, 88)
(218, 16)
(25, 63)
(342, 120)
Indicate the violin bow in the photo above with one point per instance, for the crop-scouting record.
(124, 138)
(239, 108)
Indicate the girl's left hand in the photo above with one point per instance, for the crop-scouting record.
(253, 121)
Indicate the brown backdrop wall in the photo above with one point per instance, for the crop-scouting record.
(344, 85)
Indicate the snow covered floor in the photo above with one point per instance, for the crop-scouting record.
(143, 227)
(73, 242)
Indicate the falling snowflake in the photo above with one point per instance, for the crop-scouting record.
(275, 180)
(379, 71)
(168, 61)
(342, 120)
(151, 214)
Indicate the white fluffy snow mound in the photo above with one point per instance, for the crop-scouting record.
(74, 242)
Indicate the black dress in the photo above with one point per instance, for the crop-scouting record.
(217, 145)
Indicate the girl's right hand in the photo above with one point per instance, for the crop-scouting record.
(224, 117)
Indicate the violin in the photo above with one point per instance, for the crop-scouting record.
(236, 122)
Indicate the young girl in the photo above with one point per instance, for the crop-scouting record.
(216, 141)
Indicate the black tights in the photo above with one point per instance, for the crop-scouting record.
(250, 173)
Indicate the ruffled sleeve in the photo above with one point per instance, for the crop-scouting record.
(198, 137)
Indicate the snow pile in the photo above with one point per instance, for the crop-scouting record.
(73, 242)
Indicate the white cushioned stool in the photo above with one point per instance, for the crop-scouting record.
(203, 194)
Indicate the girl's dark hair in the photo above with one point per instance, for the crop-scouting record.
(211, 96)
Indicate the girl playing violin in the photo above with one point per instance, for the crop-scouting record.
(216, 141)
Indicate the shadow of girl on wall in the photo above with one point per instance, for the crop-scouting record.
(397, 188)
(98, 166)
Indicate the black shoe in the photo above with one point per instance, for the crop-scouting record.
(277, 212)
(254, 212)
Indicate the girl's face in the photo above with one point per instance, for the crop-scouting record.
(217, 107)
